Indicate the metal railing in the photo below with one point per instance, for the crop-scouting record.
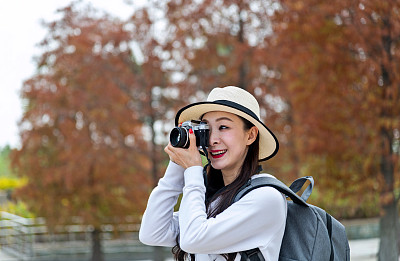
(30, 239)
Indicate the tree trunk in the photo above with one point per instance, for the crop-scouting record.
(388, 249)
(157, 251)
(293, 148)
(242, 67)
(97, 251)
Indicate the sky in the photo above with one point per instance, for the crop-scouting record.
(20, 32)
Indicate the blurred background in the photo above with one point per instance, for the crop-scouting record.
(90, 89)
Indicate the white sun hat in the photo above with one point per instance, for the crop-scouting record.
(239, 102)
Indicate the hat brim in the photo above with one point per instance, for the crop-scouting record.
(268, 142)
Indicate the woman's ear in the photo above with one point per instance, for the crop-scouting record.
(253, 132)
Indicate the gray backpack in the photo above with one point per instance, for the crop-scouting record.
(311, 234)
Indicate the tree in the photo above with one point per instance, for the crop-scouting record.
(81, 136)
(339, 63)
(219, 43)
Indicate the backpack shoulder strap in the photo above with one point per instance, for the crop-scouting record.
(299, 183)
(271, 182)
(252, 255)
(255, 254)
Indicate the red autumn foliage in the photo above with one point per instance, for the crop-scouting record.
(81, 136)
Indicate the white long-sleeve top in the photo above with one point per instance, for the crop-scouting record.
(256, 220)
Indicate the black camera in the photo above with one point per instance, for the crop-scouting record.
(179, 136)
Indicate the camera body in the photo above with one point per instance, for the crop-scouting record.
(179, 136)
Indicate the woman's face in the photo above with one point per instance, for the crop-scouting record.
(229, 141)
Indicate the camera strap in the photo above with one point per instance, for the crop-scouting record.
(204, 148)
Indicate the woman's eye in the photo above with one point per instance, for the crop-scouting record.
(223, 127)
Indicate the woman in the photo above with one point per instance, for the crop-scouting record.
(208, 226)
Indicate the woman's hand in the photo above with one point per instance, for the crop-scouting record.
(185, 157)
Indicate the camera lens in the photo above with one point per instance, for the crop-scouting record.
(178, 137)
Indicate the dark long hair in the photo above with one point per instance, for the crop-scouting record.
(216, 189)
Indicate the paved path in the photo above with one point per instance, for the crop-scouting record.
(5, 257)
(360, 250)
(364, 249)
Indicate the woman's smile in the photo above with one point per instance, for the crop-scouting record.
(217, 153)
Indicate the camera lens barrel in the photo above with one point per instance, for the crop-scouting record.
(179, 137)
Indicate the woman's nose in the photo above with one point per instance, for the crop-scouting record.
(214, 138)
